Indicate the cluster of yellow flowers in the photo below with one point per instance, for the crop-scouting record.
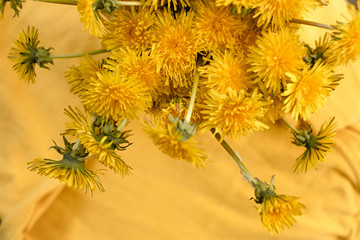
(229, 66)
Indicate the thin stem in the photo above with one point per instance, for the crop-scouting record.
(244, 171)
(290, 126)
(67, 2)
(129, 3)
(193, 96)
(99, 51)
(310, 23)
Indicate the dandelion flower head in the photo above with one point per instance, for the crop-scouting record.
(113, 95)
(346, 46)
(71, 169)
(275, 54)
(99, 143)
(130, 29)
(94, 22)
(316, 145)
(172, 143)
(307, 92)
(276, 211)
(234, 113)
(226, 71)
(26, 54)
(176, 47)
(215, 25)
(79, 76)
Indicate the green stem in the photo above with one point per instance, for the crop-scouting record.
(193, 96)
(67, 2)
(310, 23)
(244, 171)
(129, 3)
(99, 51)
(290, 126)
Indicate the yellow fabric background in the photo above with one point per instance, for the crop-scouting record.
(163, 199)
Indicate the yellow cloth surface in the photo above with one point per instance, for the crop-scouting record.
(163, 199)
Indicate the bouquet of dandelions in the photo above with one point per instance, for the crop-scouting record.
(228, 66)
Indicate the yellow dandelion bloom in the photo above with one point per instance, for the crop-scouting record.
(279, 12)
(130, 29)
(245, 35)
(215, 25)
(72, 172)
(346, 46)
(275, 54)
(169, 3)
(92, 18)
(238, 3)
(226, 71)
(276, 211)
(308, 90)
(170, 141)
(113, 95)
(176, 47)
(99, 145)
(316, 145)
(26, 54)
(79, 76)
(140, 66)
(71, 169)
(234, 113)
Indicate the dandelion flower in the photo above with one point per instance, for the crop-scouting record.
(172, 143)
(71, 169)
(279, 12)
(316, 145)
(92, 18)
(276, 211)
(234, 113)
(100, 143)
(307, 92)
(275, 54)
(113, 95)
(346, 46)
(130, 29)
(140, 67)
(226, 71)
(215, 25)
(26, 54)
(176, 47)
(79, 76)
